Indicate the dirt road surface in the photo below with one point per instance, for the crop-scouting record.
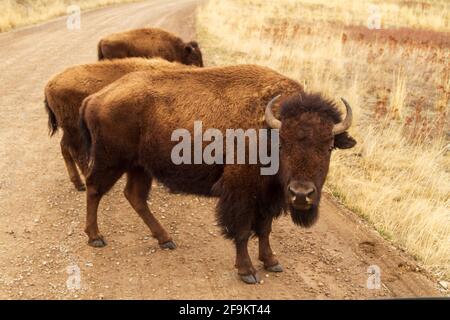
(42, 217)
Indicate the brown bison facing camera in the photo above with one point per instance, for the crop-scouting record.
(65, 92)
(148, 43)
(128, 127)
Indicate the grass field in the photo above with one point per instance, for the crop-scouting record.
(397, 79)
(18, 13)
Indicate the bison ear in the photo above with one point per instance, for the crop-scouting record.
(344, 141)
(193, 44)
(188, 48)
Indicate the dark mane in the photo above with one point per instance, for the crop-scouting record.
(310, 102)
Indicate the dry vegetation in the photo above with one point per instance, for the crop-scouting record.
(17, 13)
(398, 80)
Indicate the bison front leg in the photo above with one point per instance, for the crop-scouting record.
(244, 264)
(236, 223)
(136, 191)
(236, 212)
(263, 229)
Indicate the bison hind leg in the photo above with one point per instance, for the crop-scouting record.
(136, 191)
(70, 165)
(98, 182)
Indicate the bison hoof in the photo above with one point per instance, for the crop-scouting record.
(80, 187)
(97, 243)
(168, 245)
(250, 278)
(275, 268)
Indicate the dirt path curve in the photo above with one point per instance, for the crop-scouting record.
(42, 218)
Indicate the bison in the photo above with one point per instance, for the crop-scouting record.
(65, 92)
(150, 42)
(128, 125)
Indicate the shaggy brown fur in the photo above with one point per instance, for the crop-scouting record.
(150, 42)
(130, 123)
(65, 92)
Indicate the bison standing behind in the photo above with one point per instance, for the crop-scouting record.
(65, 92)
(129, 126)
(148, 43)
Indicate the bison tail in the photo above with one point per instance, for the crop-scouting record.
(84, 130)
(52, 122)
(99, 50)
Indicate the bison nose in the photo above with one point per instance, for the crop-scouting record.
(302, 193)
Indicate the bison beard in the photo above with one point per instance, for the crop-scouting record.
(304, 218)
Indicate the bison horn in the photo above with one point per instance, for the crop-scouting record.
(344, 125)
(271, 121)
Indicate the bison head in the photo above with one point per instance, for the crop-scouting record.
(192, 54)
(310, 128)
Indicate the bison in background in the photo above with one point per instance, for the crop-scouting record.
(149, 43)
(128, 127)
(65, 92)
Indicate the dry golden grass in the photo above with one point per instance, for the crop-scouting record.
(397, 80)
(18, 13)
